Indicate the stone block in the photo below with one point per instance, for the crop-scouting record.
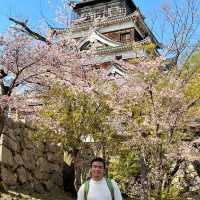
(6, 156)
(18, 160)
(8, 177)
(54, 148)
(9, 143)
(28, 158)
(41, 175)
(42, 164)
(39, 188)
(57, 179)
(27, 143)
(55, 157)
(12, 134)
(53, 168)
(22, 176)
(48, 185)
(29, 176)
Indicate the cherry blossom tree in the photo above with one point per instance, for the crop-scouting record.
(20, 60)
(154, 108)
(75, 118)
(38, 64)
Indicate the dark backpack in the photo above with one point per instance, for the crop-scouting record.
(109, 184)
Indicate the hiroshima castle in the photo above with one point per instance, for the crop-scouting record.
(119, 31)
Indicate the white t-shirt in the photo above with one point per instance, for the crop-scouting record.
(98, 190)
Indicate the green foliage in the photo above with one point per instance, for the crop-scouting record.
(150, 48)
(174, 193)
(192, 71)
(125, 165)
(191, 75)
(156, 118)
(193, 62)
(67, 158)
(70, 116)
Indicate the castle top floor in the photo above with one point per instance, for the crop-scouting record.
(91, 9)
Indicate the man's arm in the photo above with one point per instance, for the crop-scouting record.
(117, 192)
(81, 193)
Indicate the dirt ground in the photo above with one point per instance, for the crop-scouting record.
(12, 195)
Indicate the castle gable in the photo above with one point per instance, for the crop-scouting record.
(99, 39)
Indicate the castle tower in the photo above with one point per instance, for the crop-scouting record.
(119, 31)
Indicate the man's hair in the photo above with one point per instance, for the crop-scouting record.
(98, 159)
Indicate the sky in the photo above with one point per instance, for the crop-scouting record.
(35, 10)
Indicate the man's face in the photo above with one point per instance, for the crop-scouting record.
(97, 170)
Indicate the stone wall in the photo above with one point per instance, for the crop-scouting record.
(26, 164)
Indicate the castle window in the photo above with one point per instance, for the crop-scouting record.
(99, 12)
(124, 37)
(114, 11)
(137, 36)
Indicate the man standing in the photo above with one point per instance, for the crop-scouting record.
(98, 187)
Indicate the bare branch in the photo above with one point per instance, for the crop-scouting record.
(26, 29)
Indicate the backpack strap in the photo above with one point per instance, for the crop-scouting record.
(109, 184)
(86, 189)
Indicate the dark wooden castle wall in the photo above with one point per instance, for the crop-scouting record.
(108, 9)
(124, 36)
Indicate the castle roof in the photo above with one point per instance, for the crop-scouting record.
(124, 47)
(133, 16)
(111, 46)
(99, 37)
(93, 2)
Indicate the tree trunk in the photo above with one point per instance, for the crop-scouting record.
(144, 180)
(159, 171)
(77, 169)
(171, 174)
(196, 165)
(82, 159)
(2, 121)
